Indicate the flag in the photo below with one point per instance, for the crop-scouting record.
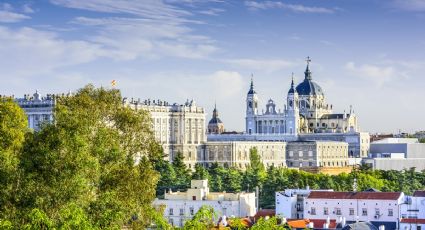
(113, 83)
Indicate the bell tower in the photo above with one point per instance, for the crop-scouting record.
(292, 112)
(251, 109)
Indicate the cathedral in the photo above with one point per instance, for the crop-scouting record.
(306, 111)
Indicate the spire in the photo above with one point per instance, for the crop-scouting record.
(292, 82)
(292, 89)
(215, 113)
(307, 72)
(251, 88)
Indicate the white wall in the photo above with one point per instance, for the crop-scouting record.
(356, 205)
(286, 205)
(242, 208)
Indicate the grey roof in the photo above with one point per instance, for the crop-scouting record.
(251, 88)
(334, 116)
(292, 90)
(308, 87)
(360, 226)
(215, 120)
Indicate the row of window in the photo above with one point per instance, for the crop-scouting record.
(181, 213)
(337, 211)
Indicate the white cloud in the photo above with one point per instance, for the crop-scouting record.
(264, 5)
(227, 88)
(147, 8)
(266, 65)
(28, 52)
(410, 5)
(377, 74)
(152, 29)
(26, 8)
(8, 16)
(212, 11)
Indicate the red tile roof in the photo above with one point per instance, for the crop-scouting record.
(413, 221)
(355, 195)
(264, 213)
(419, 193)
(318, 223)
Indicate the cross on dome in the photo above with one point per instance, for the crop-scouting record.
(308, 60)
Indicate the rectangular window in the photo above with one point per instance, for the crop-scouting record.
(377, 211)
(364, 212)
(338, 211)
(325, 211)
(171, 221)
(300, 153)
(171, 212)
(291, 153)
(181, 212)
(310, 153)
(390, 212)
(351, 211)
(313, 211)
(192, 211)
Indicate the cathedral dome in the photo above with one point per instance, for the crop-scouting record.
(215, 120)
(308, 87)
(215, 125)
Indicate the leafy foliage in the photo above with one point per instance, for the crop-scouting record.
(13, 128)
(203, 219)
(90, 169)
(182, 172)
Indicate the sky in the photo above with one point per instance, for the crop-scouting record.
(366, 53)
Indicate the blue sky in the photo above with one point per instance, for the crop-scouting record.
(366, 53)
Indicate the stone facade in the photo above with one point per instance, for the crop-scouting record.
(177, 127)
(38, 109)
(182, 206)
(301, 154)
(237, 153)
(306, 111)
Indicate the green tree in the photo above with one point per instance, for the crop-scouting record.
(203, 219)
(255, 174)
(217, 175)
(277, 180)
(182, 172)
(167, 174)
(268, 224)
(13, 127)
(38, 220)
(201, 173)
(88, 157)
(233, 179)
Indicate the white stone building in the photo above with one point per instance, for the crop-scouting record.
(306, 111)
(290, 203)
(396, 154)
(178, 128)
(237, 153)
(301, 154)
(181, 206)
(379, 208)
(413, 212)
(306, 116)
(38, 109)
